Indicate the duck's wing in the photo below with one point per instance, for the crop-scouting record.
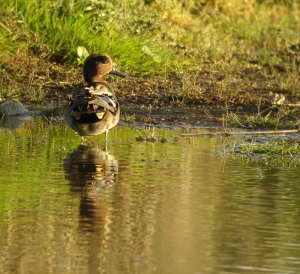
(97, 99)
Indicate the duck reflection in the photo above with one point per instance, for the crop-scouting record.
(92, 172)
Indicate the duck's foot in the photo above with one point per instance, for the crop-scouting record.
(84, 141)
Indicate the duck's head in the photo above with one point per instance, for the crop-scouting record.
(96, 66)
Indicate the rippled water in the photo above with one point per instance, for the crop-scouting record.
(175, 207)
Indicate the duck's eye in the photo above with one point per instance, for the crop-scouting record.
(102, 60)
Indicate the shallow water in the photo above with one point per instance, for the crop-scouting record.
(174, 207)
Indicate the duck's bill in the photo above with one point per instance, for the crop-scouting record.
(117, 73)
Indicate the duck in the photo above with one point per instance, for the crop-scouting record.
(93, 108)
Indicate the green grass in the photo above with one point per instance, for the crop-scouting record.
(64, 26)
(276, 117)
(148, 38)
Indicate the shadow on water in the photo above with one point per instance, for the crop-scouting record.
(91, 172)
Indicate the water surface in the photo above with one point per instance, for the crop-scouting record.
(175, 207)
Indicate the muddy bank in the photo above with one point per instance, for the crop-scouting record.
(204, 97)
(180, 117)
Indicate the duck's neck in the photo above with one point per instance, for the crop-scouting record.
(98, 82)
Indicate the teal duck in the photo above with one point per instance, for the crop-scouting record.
(93, 109)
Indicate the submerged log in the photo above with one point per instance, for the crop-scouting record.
(241, 133)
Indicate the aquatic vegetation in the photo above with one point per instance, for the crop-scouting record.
(266, 151)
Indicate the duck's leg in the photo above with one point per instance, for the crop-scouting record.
(106, 139)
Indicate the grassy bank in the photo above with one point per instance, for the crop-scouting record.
(240, 56)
